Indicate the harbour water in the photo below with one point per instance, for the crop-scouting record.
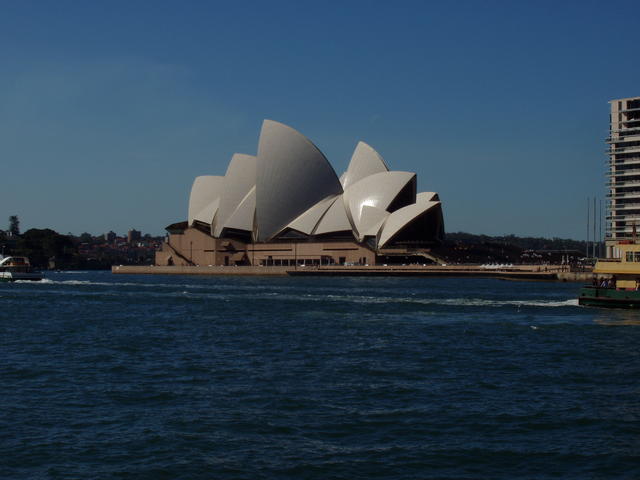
(154, 377)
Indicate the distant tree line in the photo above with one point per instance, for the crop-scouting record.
(525, 243)
(462, 247)
(46, 248)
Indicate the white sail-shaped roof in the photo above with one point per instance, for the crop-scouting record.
(403, 216)
(377, 190)
(289, 189)
(292, 176)
(204, 198)
(365, 161)
(242, 217)
(238, 181)
(306, 222)
(335, 220)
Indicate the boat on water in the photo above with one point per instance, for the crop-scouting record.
(616, 280)
(17, 268)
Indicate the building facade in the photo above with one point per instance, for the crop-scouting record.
(286, 206)
(623, 202)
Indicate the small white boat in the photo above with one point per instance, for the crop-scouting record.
(17, 268)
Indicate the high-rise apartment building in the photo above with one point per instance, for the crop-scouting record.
(623, 212)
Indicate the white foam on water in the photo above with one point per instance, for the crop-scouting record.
(78, 282)
(465, 302)
(517, 303)
(572, 302)
(49, 281)
(285, 292)
(34, 282)
(197, 286)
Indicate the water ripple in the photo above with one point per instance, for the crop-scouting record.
(193, 378)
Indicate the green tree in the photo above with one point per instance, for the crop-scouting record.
(86, 238)
(42, 244)
(14, 225)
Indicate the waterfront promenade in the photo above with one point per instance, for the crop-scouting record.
(518, 272)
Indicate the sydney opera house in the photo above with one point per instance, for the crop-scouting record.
(286, 206)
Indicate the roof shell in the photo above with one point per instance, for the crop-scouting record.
(307, 221)
(242, 217)
(335, 219)
(292, 176)
(405, 215)
(204, 198)
(238, 181)
(377, 190)
(371, 221)
(365, 161)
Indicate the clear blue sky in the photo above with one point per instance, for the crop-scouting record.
(108, 110)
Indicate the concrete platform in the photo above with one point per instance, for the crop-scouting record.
(515, 273)
(198, 270)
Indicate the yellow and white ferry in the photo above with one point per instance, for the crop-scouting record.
(616, 280)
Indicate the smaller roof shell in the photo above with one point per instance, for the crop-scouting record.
(371, 221)
(306, 222)
(335, 219)
(405, 215)
(238, 181)
(377, 190)
(204, 198)
(242, 217)
(365, 161)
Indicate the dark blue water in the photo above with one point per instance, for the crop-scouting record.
(159, 377)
